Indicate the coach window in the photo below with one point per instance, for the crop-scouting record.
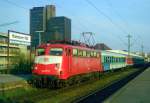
(115, 59)
(107, 59)
(75, 52)
(56, 51)
(111, 59)
(104, 59)
(122, 59)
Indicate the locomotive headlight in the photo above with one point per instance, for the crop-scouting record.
(57, 66)
(35, 67)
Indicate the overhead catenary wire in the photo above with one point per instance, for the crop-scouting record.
(105, 15)
(112, 22)
(8, 23)
(125, 23)
(15, 4)
(117, 13)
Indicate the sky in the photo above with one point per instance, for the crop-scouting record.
(109, 20)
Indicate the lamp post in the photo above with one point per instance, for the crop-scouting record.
(39, 35)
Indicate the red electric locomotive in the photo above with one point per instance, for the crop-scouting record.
(64, 62)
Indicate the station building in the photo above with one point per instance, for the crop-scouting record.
(11, 51)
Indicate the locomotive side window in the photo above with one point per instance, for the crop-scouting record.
(84, 53)
(88, 53)
(75, 52)
(56, 51)
(98, 55)
(80, 52)
(94, 54)
(40, 51)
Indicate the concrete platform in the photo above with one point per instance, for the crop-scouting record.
(6, 78)
(136, 91)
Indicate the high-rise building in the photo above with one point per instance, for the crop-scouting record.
(50, 12)
(45, 26)
(58, 29)
(39, 16)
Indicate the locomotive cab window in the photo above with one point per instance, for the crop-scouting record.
(56, 51)
(40, 51)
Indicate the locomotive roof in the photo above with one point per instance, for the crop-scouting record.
(65, 46)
